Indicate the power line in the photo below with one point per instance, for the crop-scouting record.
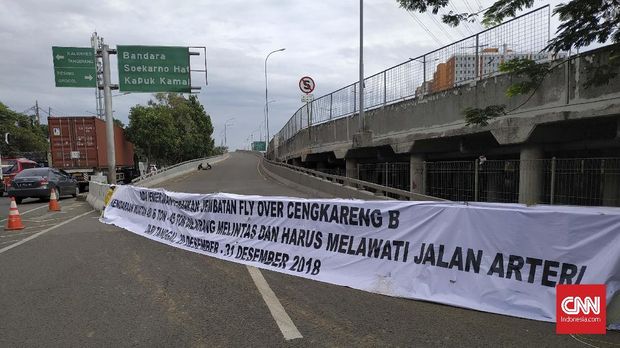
(440, 26)
(469, 7)
(474, 12)
(464, 22)
(455, 28)
(425, 28)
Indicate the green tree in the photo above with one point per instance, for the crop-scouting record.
(25, 135)
(170, 129)
(119, 123)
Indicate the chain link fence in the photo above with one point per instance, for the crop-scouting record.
(566, 181)
(462, 62)
(395, 174)
(576, 181)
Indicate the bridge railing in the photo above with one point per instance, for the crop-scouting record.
(376, 189)
(470, 59)
(173, 169)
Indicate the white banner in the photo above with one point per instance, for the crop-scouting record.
(500, 258)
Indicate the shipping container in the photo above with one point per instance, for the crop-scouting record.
(78, 146)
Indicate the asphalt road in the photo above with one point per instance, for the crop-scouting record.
(87, 284)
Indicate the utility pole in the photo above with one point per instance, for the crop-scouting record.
(361, 89)
(107, 96)
(36, 111)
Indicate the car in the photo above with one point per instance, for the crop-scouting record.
(39, 183)
(11, 167)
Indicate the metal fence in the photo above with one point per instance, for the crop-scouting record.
(394, 174)
(576, 181)
(462, 62)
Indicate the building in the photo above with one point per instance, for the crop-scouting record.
(466, 67)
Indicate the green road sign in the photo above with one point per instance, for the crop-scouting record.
(75, 77)
(153, 69)
(74, 67)
(259, 146)
(73, 57)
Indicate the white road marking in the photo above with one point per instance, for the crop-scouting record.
(13, 234)
(28, 211)
(586, 343)
(43, 232)
(258, 169)
(8, 241)
(288, 329)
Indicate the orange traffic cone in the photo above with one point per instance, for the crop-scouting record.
(53, 206)
(14, 221)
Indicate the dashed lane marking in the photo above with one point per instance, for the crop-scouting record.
(13, 234)
(43, 232)
(258, 169)
(28, 211)
(284, 322)
(8, 241)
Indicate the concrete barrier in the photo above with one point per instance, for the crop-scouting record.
(97, 190)
(154, 178)
(96, 194)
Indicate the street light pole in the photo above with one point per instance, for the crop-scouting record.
(267, 95)
(361, 87)
(225, 126)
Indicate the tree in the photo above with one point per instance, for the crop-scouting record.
(119, 123)
(582, 22)
(170, 129)
(25, 135)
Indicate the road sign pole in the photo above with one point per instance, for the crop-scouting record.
(107, 97)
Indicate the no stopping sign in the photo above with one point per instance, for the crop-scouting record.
(306, 84)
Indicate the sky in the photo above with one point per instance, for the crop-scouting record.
(321, 38)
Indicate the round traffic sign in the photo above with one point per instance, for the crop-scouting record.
(306, 84)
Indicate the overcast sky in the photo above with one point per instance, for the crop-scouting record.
(320, 37)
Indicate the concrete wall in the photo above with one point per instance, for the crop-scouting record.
(563, 96)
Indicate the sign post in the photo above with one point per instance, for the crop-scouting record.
(307, 85)
(74, 67)
(109, 117)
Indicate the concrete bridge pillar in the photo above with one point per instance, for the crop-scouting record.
(417, 174)
(531, 174)
(351, 168)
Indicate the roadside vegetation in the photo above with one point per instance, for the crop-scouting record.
(170, 129)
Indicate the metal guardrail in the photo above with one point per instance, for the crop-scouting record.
(376, 189)
(463, 62)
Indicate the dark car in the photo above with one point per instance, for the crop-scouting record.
(39, 183)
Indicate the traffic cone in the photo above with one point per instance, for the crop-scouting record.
(14, 222)
(53, 206)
